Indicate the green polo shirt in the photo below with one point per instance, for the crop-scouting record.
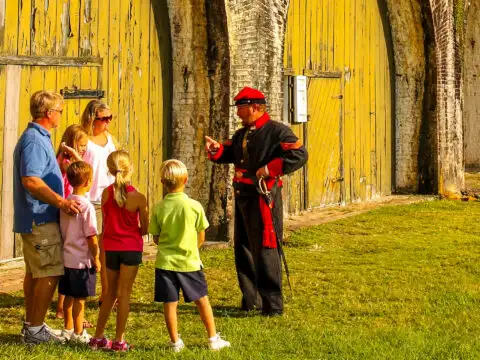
(177, 219)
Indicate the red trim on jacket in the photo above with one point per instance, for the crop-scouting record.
(291, 146)
(215, 156)
(275, 167)
(269, 238)
(261, 121)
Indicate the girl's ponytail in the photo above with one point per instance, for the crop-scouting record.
(120, 166)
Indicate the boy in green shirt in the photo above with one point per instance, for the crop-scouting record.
(178, 226)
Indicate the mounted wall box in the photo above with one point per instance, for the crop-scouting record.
(300, 104)
(82, 94)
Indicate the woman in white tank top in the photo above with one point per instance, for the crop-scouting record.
(95, 120)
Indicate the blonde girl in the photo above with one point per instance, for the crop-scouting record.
(125, 220)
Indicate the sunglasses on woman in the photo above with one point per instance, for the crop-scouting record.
(104, 118)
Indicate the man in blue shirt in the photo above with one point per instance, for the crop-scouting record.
(38, 196)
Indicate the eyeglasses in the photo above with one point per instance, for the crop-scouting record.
(105, 118)
(60, 111)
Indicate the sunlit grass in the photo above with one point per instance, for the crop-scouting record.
(400, 282)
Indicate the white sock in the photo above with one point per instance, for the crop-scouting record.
(214, 338)
(69, 331)
(34, 329)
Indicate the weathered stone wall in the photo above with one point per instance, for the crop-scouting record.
(200, 100)
(428, 97)
(471, 87)
(220, 46)
(191, 94)
(256, 34)
(448, 27)
(219, 207)
(409, 53)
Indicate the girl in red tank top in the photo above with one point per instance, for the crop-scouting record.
(125, 220)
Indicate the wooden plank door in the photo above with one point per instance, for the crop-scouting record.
(325, 174)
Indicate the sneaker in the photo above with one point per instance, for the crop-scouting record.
(121, 346)
(217, 343)
(177, 346)
(83, 338)
(24, 328)
(102, 344)
(55, 332)
(66, 334)
(42, 336)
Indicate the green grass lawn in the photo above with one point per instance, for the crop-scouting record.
(400, 282)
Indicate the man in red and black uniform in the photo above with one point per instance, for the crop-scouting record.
(261, 149)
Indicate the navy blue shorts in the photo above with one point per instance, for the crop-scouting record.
(78, 283)
(168, 285)
(113, 259)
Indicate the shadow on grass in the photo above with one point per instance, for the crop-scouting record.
(233, 312)
(10, 339)
(218, 311)
(7, 300)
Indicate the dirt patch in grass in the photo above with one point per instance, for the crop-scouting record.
(319, 216)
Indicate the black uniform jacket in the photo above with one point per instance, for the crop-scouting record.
(266, 142)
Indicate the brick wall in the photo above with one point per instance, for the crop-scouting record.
(449, 97)
(256, 33)
(471, 112)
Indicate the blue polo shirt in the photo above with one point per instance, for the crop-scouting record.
(34, 156)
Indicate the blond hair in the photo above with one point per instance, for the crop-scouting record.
(78, 173)
(173, 174)
(90, 113)
(42, 101)
(120, 166)
(72, 135)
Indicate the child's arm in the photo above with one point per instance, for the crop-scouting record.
(201, 237)
(74, 155)
(143, 210)
(93, 246)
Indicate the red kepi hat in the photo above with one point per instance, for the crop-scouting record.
(249, 95)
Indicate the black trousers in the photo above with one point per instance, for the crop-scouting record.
(259, 269)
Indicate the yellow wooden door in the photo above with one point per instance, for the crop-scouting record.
(324, 142)
(18, 83)
(122, 48)
(349, 40)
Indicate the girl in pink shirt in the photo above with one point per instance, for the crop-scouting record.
(125, 220)
(73, 147)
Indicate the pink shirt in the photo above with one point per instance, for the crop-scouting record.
(75, 230)
(67, 188)
(121, 231)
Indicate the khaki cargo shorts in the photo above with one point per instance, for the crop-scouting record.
(43, 251)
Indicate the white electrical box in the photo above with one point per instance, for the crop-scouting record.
(300, 104)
